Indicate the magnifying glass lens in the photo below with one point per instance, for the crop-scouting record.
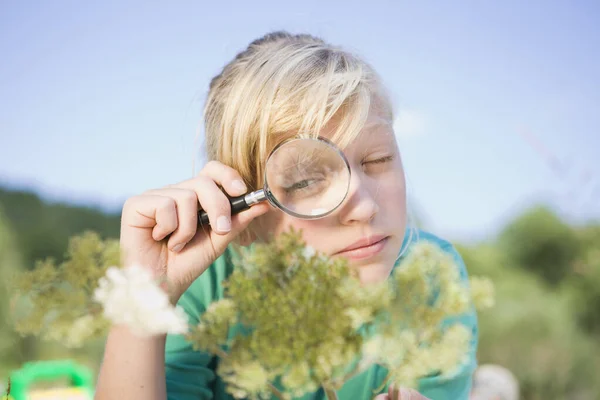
(307, 178)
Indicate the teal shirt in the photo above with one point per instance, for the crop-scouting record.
(191, 374)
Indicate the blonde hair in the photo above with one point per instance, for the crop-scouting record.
(285, 85)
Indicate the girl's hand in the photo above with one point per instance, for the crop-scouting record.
(159, 228)
(401, 394)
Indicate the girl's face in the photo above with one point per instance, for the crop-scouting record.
(368, 227)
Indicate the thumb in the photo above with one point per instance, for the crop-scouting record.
(404, 394)
(400, 394)
(239, 222)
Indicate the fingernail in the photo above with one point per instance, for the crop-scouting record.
(239, 186)
(223, 224)
(177, 248)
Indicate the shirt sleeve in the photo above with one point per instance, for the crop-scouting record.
(190, 374)
(457, 386)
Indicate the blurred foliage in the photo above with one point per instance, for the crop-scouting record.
(43, 230)
(546, 323)
(545, 326)
(541, 242)
(585, 281)
(10, 263)
(533, 331)
(55, 301)
(31, 230)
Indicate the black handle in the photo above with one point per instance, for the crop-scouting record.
(238, 204)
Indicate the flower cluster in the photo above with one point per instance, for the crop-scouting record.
(77, 300)
(130, 296)
(292, 314)
(291, 321)
(297, 315)
(413, 342)
(55, 301)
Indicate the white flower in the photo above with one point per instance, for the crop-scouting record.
(131, 297)
(308, 252)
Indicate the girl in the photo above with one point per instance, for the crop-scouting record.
(281, 86)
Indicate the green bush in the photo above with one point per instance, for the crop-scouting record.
(584, 284)
(532, 331)
(540, 242)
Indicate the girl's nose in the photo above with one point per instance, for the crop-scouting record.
(361, 204)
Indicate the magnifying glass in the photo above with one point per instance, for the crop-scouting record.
(307, 178)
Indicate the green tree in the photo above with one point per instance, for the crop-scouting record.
(43, 229)
(542, 243)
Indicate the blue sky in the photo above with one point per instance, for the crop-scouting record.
(102, 100)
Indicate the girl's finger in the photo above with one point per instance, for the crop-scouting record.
(404, 394)
(187, 215)
(151, 211)
(212, 200)
(223, 175)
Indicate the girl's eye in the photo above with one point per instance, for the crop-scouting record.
(381, 160)
(303, 184)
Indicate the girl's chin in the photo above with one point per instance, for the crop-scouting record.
(373, 273)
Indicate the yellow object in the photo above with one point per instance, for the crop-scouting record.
(59, 394)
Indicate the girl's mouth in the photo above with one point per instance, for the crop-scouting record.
(364, 248)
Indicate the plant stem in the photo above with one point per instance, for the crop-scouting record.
(357, 370)
(276, 392)
(385, 381)
(219, 351)
(330, 393)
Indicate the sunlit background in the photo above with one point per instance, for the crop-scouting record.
(497, 118)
